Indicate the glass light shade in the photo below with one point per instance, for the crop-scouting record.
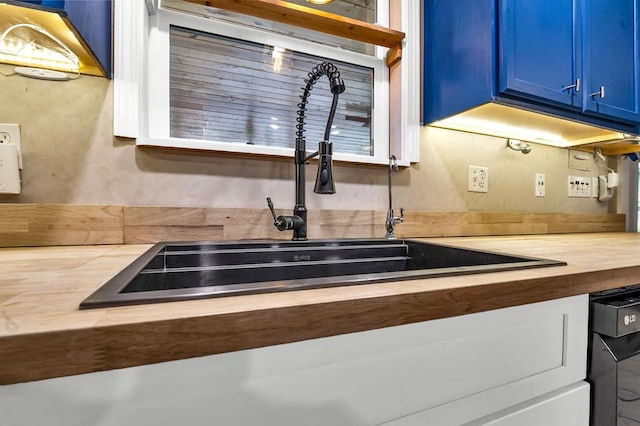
(35, 37)
(36, 47)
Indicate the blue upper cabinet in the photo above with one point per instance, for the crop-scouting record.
(610, 58)
(540, 55)
(546, 56)
(459, 57)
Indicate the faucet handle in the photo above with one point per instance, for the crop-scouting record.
(285, 223)
(276, 222)
(398, 219)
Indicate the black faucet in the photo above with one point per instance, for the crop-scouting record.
(392, 219)
(324, 178)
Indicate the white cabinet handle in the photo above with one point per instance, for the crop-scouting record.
(575, 86)
(598, 93)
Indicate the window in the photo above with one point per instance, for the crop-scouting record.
(236, 91)
(223, 81)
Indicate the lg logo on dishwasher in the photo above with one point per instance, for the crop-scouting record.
(628, 319)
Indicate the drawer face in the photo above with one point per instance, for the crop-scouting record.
(561, 332)
(568, 406)
(471, 364)
(444, 372)
(615, 319)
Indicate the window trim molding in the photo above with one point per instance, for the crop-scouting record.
(130, 94)
(158, 78)
(411, 83)
(128, 46)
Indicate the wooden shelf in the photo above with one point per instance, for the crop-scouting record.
(312, 19)
(615, 147)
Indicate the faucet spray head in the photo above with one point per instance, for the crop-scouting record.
(337, 85)
(324, 178)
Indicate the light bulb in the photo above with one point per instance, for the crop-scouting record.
(319, 1)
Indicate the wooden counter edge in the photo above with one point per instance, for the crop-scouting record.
(71, 352)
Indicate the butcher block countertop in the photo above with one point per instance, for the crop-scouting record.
(44, 335)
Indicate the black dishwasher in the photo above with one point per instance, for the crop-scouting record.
(614, 357)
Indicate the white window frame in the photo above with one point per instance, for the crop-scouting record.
(141, 62)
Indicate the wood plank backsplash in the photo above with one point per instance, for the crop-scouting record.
(23, 225)
(66, 224)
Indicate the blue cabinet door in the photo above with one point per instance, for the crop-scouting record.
(459, 56)
(540, 49)
(611, 54)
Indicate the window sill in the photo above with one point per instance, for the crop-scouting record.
(253, 150)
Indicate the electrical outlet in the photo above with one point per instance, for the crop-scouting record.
(10, 158)
(10, 134)
(580, 187)
(540, 185)
(478, 179)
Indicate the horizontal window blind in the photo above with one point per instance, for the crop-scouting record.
(228, 90)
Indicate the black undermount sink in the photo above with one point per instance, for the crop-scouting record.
(192, 270)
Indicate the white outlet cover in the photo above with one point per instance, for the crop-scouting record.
(579, 187)
(540, 185)
(11, 135)
(478, 179)
(9, 170)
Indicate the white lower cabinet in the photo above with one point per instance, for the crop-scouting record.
(454, 371)
(568, 406)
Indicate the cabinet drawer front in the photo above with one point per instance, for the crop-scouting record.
(568, 406)
(493, 360)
